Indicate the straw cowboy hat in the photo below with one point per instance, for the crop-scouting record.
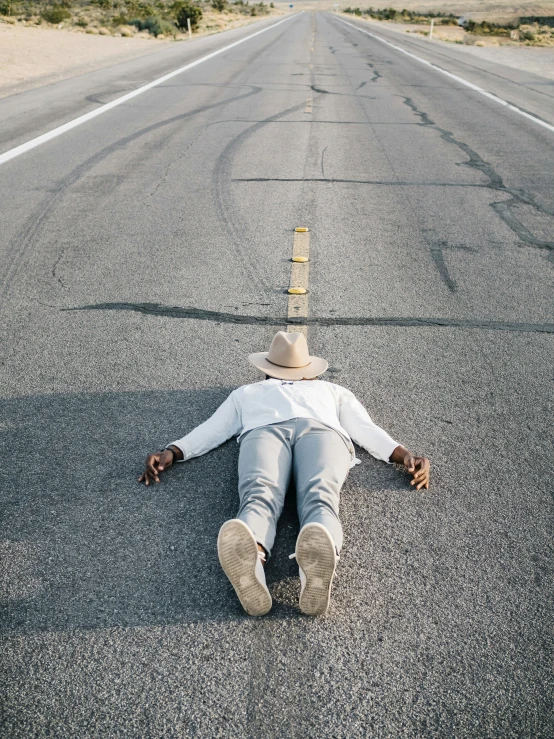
(288, 358)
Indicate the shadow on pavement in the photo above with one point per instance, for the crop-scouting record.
(86, 546)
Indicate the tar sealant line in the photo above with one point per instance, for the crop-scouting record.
(55, 132)
(197, 314)
(461, 80)
(297, 308)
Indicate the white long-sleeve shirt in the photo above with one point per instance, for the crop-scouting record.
(275, 401)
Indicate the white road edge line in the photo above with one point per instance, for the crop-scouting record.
(49, 135)
(489, 95)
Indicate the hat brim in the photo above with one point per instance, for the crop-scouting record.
(317, 366)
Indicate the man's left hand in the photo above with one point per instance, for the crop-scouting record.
(419, 468)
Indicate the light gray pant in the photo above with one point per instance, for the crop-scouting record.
(319, 459)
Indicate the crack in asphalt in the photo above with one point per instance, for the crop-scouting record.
(322, 92)
(376, 74)
(437, 254)
(502, 208)
(381, 61)
(166, 311)
(417, 48)
(436, 249)
(343, 94)
(173, 162)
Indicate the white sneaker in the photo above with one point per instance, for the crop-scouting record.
(317, 561)
(239, 556)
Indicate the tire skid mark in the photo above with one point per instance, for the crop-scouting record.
(221, 179)
(26, 238)
(323, 165)
(20, 245)
(55, 267)
(95, 98)
(385, 183)
(118, 90)
(333, 123)
(165, 311)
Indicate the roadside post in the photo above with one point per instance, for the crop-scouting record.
(190, 30)
(431, 31)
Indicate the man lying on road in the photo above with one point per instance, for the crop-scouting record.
(291, 422)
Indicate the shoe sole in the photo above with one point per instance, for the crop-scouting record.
(238, 553)
(315, 554)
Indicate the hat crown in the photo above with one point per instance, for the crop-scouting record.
(289, 350)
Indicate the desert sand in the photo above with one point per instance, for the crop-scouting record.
(30, 57)
(476, 9)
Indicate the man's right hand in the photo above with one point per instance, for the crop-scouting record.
(156, 463)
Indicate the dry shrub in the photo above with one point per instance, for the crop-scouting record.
(55, 14)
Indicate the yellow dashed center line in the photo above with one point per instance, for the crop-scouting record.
(309, 103)
(298, 298)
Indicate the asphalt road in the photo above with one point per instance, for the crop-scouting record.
(145, 254)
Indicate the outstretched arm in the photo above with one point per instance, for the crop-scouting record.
(223, 424)
(355, 419)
